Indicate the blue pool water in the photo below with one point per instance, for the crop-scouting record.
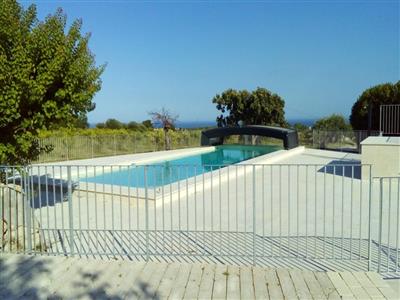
(171, 171)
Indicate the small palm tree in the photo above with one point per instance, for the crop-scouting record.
(167, 121)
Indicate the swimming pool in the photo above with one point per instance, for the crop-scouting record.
(170, 171)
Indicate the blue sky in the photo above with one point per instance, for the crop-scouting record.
(318, 55)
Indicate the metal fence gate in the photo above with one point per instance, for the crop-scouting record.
(323, 217)
(389, 119)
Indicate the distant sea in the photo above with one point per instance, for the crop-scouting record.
(195, 124)
(307, 122)
(203, 124)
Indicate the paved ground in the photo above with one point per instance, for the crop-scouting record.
(44, 277)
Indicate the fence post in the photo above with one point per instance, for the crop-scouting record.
(341, 141)
(28, 212)
(380, 223)
(254, 214)
(115, 146)
(70, 211)
(147, 212)
(380, 120)
(91, 140)
(369, 218)
(67, 147)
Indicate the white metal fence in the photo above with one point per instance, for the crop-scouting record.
(346, 141)
(324, 217)
(82, 147)
(389, 119)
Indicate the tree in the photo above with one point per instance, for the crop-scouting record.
(147, 124)
(114, 124)
(333, 122)
(48, 76)
(386, 93)
(132, 125)
(305, 133)
(259, 107)
(81, 122)
(328, 129)
(166, 120)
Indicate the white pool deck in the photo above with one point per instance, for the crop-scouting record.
(215, 216)
(42, 277)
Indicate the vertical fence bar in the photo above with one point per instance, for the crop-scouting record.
(351, 210)
(40, 211)
(70, 211)
(306, 186)
(16, 209)
(388, 217)
(254, 214)
(342, 215)
(80, 247)
(2, 195)
(280, 200)
(324, 218)
(147, 212)
(92, 146)
(54, 199)
(32, 211)
(369, 218)
(115, 145)
(28, 216)
(333, 210)
(315, 210)
(380, 223)
(220, 206)
(112, 210)
(398, 223)
(9, 216)
(272, 207)
(47, 204)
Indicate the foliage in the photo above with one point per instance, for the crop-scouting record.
(113, 124)
(48, 77)
(387, 93)
(326, 129)
(333, 122)
(132, 125)
(68, 132)
(259, 107)
(305, 134)
(300, 127)
(88, 143)
(81, 122)
(147, 124)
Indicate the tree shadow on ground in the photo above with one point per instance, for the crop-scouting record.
(33, 277)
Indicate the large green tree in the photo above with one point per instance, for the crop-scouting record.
(388, 93)
(333, 122)
(259, 107)
(48, 78)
